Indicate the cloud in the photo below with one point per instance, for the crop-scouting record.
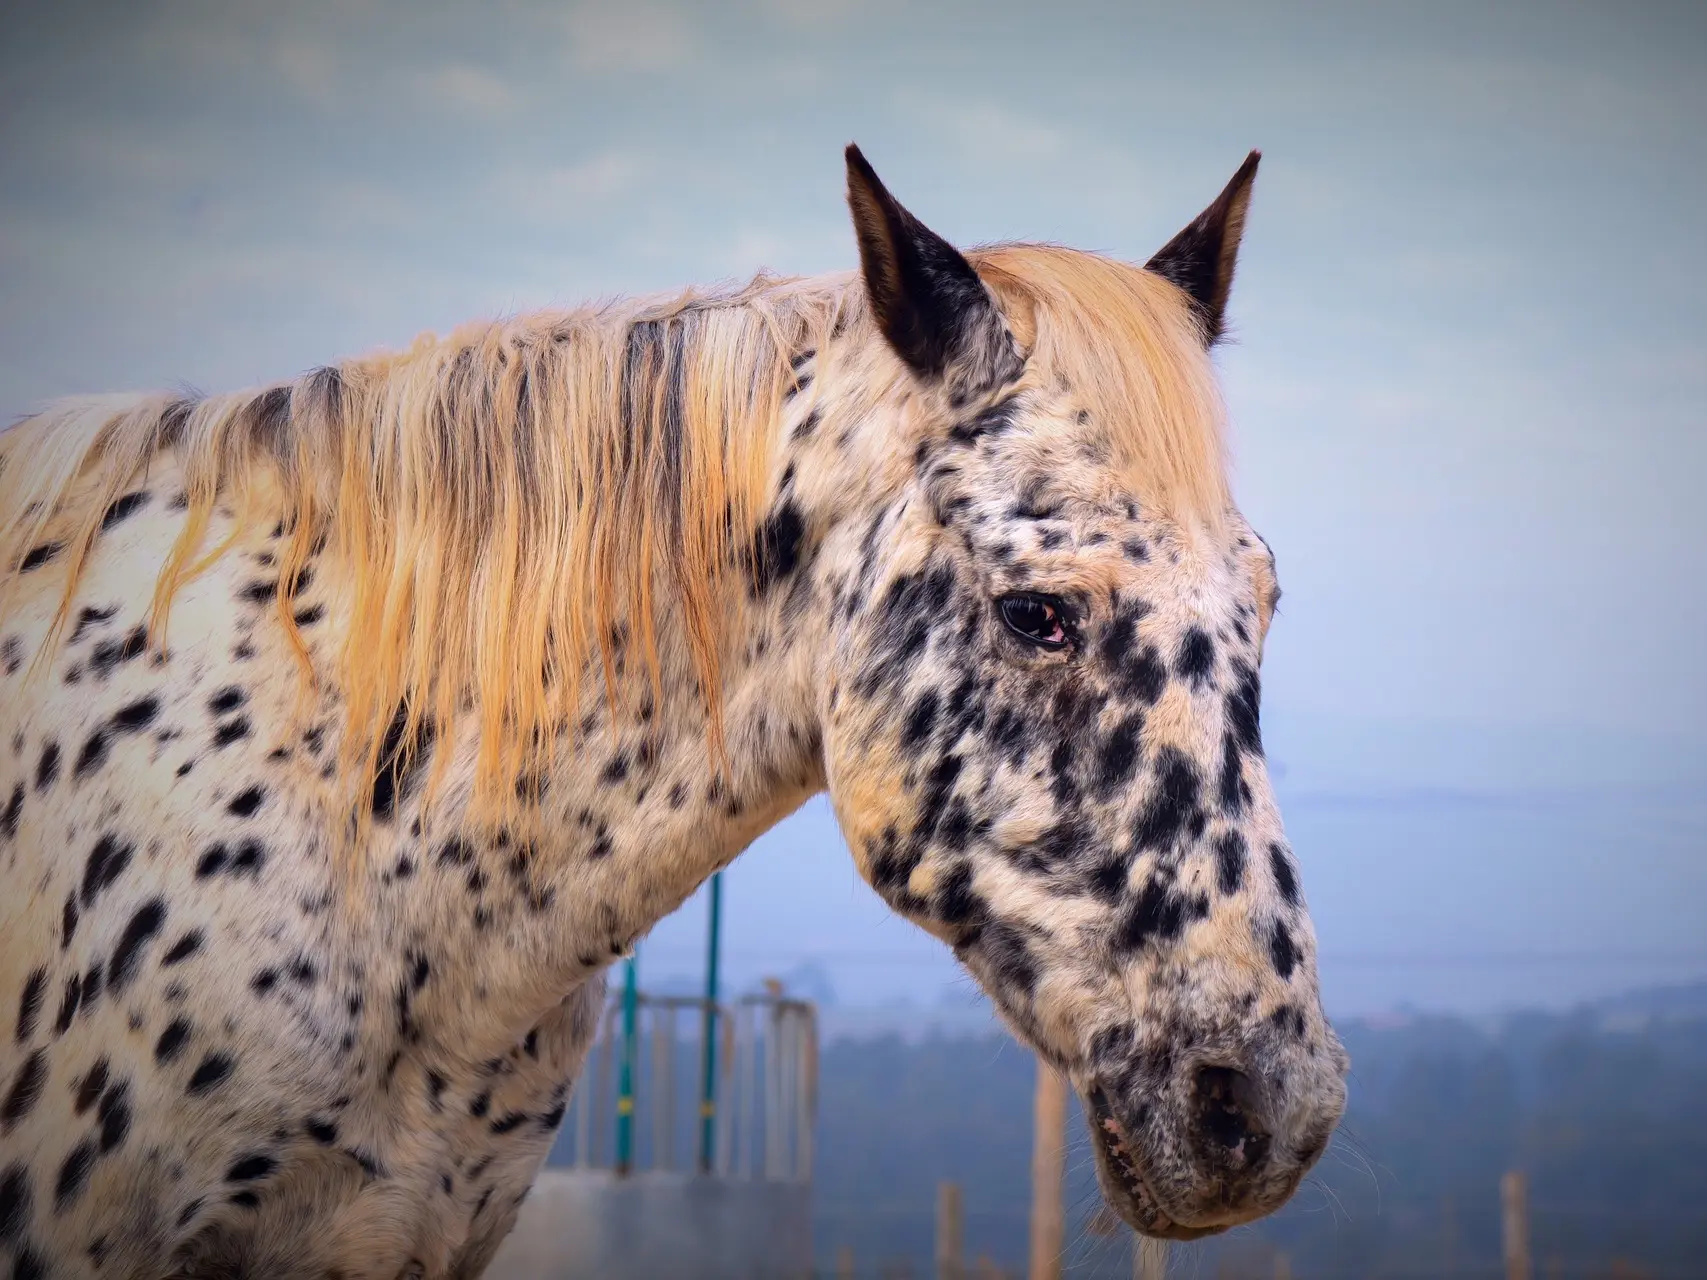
(469, 89)
(563, 192)
(1563, 99)
(823, 245)
(1684, 364)
(1451, 269)
(1339, 403)
(310, 70)
(638, 35)
(1105, 178)
(817, 13)
(988, 131)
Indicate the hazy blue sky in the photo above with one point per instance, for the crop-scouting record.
(1469, 381)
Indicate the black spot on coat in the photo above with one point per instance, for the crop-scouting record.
(30, 1003)
(14, 1201)
(777, 550)
(1117, 755)
(1283, 951)
(1229, 862)
(172, 1041)
(1285, 877)
(1243, 704)
(68, 1004)
(47, 768)
(110, 653)
(251, 855)
(1157, 915)
(11, 813)
(921, 721)
(251, 1167)
(1196, 659)
(1171, 810)
(209, 1074)
(91, 1086)
(1005, 951)
(212, 861)
(997, 420)
(1113, 1044)
(36, 557)
(106, 862)
(114, 1116)
(25, 1089)
(73, 1175)
(140, 930)
(122, 509)
(226, 700)
(88, 618)
(400, 760)
(956, 902)
(93, 755)
(136, 716)
(182, 949)
(1235, 791)
(1107, 878)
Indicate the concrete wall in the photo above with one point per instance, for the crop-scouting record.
(658, 1226)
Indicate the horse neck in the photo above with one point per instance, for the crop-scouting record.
(646, 800)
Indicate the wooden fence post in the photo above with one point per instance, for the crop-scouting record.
(1514, 1220)
(950, 1232)
(1149, 1258)
(1048, 1171)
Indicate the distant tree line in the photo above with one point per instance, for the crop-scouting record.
(1607, 1121)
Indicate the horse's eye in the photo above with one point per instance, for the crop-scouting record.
(1039, 620)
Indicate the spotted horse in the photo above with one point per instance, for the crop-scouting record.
(352, 726)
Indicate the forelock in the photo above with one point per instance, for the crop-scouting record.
(1124, 343)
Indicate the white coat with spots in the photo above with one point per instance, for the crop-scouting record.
(351, 727)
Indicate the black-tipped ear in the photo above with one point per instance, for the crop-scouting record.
(929, 302)
(1201, 258)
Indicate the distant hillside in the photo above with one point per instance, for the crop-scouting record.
(1687, 1003)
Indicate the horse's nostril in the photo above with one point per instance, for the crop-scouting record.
(1230, 1113)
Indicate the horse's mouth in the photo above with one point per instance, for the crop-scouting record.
(1123, 1180)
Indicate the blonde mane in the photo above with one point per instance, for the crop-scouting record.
(1132, 349)
(507, 496)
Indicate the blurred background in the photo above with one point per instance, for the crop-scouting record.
(1468, 379)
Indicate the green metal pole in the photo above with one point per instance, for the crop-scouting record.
(625, 1084)
(708, 1041)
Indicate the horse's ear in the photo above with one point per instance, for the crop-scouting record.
(928, 301)
(1200, 259)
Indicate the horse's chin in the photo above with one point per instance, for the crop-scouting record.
(1121, 1176)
